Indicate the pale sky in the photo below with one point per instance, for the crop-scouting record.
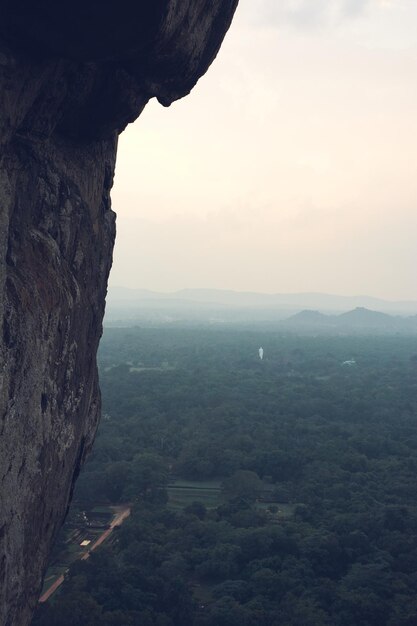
(291, 167)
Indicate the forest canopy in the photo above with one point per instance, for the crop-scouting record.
(274, 492)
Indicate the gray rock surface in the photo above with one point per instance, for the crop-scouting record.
(73, 74)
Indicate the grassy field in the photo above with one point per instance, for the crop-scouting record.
(102, 510)
(283, 510)
(181, 493)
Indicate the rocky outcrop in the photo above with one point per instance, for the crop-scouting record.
(73, 74)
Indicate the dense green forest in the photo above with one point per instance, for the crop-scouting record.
(301, 471)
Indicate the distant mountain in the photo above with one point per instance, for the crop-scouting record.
(364, 317)
(125, 294)
(309, 317)
(220, 299)
(359, 319)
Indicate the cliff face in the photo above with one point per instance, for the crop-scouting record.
(73, 74)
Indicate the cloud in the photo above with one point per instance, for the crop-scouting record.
(303, 13)
(352, 8)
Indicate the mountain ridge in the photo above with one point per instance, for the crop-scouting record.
(245, 299)
(360, 318)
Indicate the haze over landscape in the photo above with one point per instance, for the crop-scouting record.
(254, 398)
(290, 168)
(299, 312)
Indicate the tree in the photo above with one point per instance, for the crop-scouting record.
(243, 484)
(149, 477)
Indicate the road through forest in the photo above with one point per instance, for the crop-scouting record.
(121, 514)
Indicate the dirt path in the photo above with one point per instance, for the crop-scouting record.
(121, 513)
(117, 521)
(48, 593)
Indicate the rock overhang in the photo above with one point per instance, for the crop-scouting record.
(72, 76)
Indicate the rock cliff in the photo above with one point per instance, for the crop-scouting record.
(73, 74)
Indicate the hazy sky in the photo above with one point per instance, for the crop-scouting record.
(292, 166)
